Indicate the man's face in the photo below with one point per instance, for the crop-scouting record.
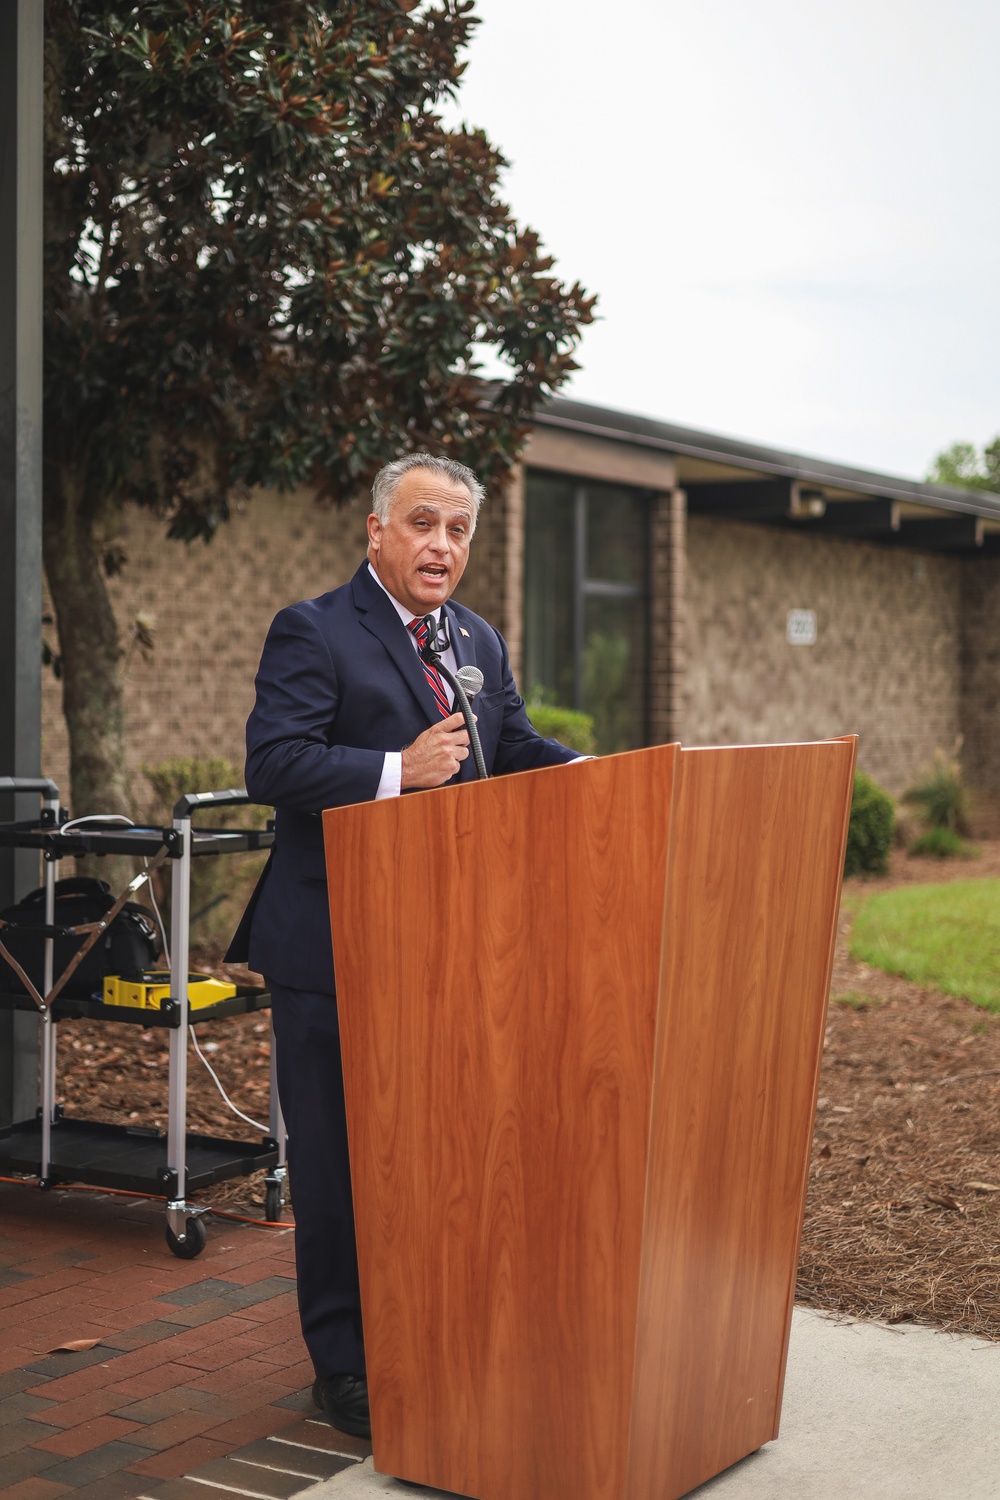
(421, 552)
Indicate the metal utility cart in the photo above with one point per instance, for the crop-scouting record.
(58, 1148)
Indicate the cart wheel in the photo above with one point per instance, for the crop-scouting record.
(193, 1242)
(274, 1202)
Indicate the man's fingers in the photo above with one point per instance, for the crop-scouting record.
(453, 724)
(437, 754)
(444, 729)
(453, 730)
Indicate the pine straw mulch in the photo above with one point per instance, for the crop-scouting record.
(903, 1214)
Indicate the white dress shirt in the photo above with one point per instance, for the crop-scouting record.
(390, 782)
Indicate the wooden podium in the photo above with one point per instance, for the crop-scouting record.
(582, 1014)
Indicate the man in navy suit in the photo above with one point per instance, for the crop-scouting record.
(347, 711)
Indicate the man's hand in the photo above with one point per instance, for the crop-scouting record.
(435, 755)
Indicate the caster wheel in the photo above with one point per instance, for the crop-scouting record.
(274, 1202)
(193, 1242)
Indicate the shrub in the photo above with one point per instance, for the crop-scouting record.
(942, 796)
(186, 773)
(220, 885)
(869, 836)
(567, 725)
(943, 843)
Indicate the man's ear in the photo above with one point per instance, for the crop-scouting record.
(374, 533)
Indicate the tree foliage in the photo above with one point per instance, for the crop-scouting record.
(964, 464)
(267, 263)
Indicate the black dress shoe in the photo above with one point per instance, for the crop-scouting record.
(343, 1400)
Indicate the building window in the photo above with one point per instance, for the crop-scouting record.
(585, 602)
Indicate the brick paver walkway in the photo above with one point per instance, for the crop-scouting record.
(200, 1369)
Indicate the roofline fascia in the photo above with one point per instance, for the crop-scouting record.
(784, 465)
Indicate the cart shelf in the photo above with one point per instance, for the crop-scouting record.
(126, 1156)
(76, 1008)
(142, 841)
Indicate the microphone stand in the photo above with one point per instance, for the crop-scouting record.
(437, 641)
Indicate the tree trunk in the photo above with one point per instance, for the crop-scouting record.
(93, 697)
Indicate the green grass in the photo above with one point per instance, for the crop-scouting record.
(945, 936)
(854, 1000)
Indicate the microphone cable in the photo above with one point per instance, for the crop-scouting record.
(437, 641)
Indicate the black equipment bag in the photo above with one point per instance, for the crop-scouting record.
(129, 946)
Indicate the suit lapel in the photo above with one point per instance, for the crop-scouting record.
(464, 647)
(378, 616)
(462, 642)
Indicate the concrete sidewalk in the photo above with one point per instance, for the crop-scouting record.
(870, 1413)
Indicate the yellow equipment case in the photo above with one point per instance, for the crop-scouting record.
(150, 991)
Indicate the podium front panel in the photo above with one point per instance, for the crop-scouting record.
(757, 852)
(497, 949)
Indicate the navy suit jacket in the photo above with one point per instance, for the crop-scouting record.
(339, 684)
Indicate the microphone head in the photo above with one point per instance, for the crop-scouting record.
(471, 679)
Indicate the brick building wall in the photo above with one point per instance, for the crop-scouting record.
(980, 673)
(211, 606)
(886, 660)
(486, 585)
(907, 655)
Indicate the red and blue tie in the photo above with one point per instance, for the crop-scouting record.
(418, 628)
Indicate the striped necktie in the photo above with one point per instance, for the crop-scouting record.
(419, 631)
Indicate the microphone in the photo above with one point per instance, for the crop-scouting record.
(466, 682)
(471, 679)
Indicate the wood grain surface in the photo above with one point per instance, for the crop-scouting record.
(582, 1037)
(753, 895)
(498, 962)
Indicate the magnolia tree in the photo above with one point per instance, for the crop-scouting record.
(267, 262)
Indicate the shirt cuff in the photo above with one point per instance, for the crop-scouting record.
(390, 782)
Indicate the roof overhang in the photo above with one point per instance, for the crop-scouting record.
(728, 478)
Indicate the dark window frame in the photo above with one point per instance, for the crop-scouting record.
(585, 588)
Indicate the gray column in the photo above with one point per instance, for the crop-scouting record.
(512, 614)
(21, 38)
(667, 645)
(979, 679)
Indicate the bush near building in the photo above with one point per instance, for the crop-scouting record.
(567, 725)
(869, 836)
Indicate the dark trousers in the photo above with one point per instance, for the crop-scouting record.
(311, 1090)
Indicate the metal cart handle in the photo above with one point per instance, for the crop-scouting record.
(32, 784)
(187, 804)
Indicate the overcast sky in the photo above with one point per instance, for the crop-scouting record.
(790, 210)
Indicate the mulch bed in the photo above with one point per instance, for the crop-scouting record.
(903, 1213)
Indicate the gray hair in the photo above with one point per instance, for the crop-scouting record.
(387, 481)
